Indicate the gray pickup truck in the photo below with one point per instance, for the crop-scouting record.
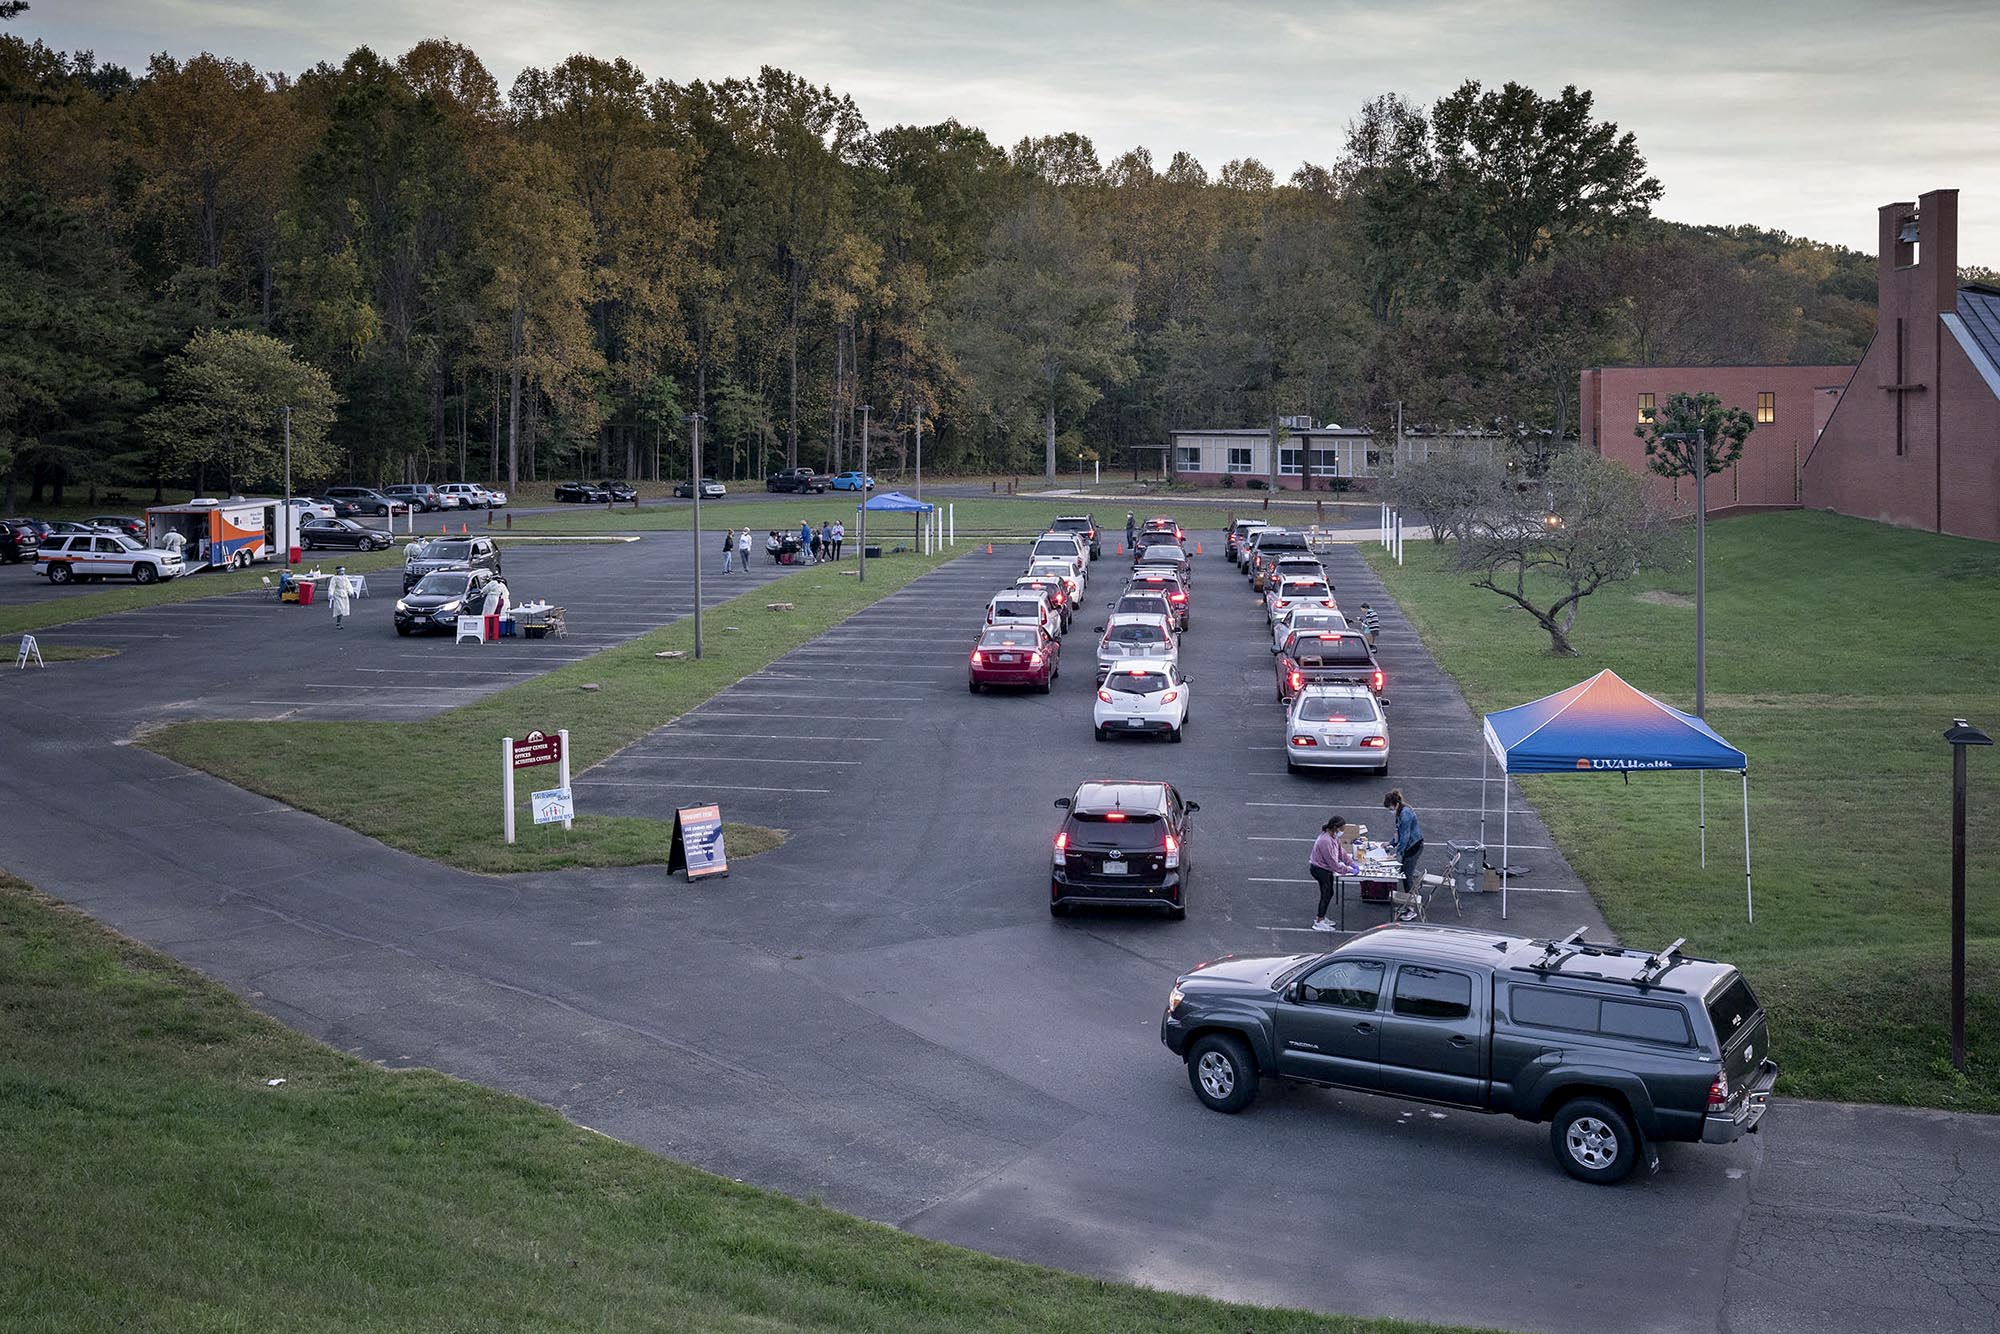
(1616, 1049)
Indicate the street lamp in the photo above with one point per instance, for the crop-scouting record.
(861, 556)
(1700, 441)
(1960, 735)
(694, 420)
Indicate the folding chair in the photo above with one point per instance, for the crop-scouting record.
(558, 627)
(1433, 883)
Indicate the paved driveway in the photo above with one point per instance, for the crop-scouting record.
(882, 1010)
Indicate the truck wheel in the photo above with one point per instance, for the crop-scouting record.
(1222, 1073)
(145, 574)
(1594, 1141)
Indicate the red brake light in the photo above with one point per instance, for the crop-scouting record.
(1062, 840)
(1104, 695)
(1718, 1093)
(1173, 844)
(1303, 740)
(1178, 597)
(1376, 681)
(1170, 697)
(1374, 743)
(976, 659)
(1114, 815)
(1035, 658)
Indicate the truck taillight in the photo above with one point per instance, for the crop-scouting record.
(1375, 681)
(1718, 1093)
(1374, 743)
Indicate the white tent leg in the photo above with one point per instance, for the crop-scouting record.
(1506, 809)
(1749, 898)
(1701, 786)
(1484, 756)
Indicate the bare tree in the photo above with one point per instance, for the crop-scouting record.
(1546, 551)
(1449, 488)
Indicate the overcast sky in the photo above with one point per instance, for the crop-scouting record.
(1792, 115)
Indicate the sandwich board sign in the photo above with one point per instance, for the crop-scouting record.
(697, 843)
(554, 806)
(30, 650)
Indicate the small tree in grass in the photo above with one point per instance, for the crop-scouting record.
(1546, 551)
(1682, 416)
(1448, 489)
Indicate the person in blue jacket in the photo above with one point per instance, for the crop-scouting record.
(1408, 847)
(805, 537)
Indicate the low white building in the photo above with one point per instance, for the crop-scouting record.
(1331, 458)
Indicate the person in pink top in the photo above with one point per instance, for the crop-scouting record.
(1329, 862)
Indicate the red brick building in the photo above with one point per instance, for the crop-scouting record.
(1787, 404)
(1915, 440)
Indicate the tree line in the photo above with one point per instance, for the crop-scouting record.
(440, 278)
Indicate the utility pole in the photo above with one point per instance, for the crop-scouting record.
(1960, 735)
(861, 552)
(920, 451)
(291, 517)
(695, 420)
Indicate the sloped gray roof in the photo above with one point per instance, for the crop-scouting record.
(1977, 328)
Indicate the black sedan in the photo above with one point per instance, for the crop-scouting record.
(710, 489)
(619, 491)
(316, 533)
(439, 599)
(581, 493)
(1122, 843)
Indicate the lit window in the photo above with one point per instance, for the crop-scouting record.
(1189, 457)
(1645, 407)
(1239, 460)
(1767, 408)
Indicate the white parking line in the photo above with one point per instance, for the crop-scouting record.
(1275, 838)
(1277, 880)
(369, 685)
(801, 694)
(846, 717)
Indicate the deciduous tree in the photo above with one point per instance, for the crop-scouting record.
(224, 409)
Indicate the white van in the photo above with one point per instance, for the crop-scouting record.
(1023, 606)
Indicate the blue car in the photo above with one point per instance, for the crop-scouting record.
(851, 481)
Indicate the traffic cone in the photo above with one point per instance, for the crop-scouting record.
(1197, 548)
(989, 548)
(1121, 549)
(443, 528)
(463, 529)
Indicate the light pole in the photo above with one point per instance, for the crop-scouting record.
(920, 451)
(1700, 442)
(1960, 735)
(695, 419)
(861, 551)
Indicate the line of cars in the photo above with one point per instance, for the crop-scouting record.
(1325, 673)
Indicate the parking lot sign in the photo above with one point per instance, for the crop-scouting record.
(536, 748)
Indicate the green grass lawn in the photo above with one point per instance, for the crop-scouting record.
(156, 1182)
(1838, 652)
(361, 775)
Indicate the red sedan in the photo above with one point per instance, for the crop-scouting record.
(1014, 655)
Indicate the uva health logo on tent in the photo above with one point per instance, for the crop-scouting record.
(1624, 764)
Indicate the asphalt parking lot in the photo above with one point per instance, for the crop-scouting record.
(882, 1011)
(245, 655)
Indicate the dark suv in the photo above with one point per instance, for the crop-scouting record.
(1085, 527)
(18, 542)
(1617, 1049)
(1124, 843)
(450, 553)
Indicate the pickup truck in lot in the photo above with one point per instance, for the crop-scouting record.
(1326, 657)
(1615, 1049)
(796, 480)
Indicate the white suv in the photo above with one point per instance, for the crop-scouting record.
(471, 496)
(104, 556)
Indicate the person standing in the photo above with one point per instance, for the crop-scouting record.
(743, 550)
(1131, 531)
(728, 550)
(826, 539)
(1328, 863)
(1408, 847)
(1371, 623)
(839, 537)
(339, 595)
(806, 539)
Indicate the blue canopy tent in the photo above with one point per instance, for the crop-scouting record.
(1605, 725)
(895, 502)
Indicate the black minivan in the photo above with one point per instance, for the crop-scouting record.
(1124, 843)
